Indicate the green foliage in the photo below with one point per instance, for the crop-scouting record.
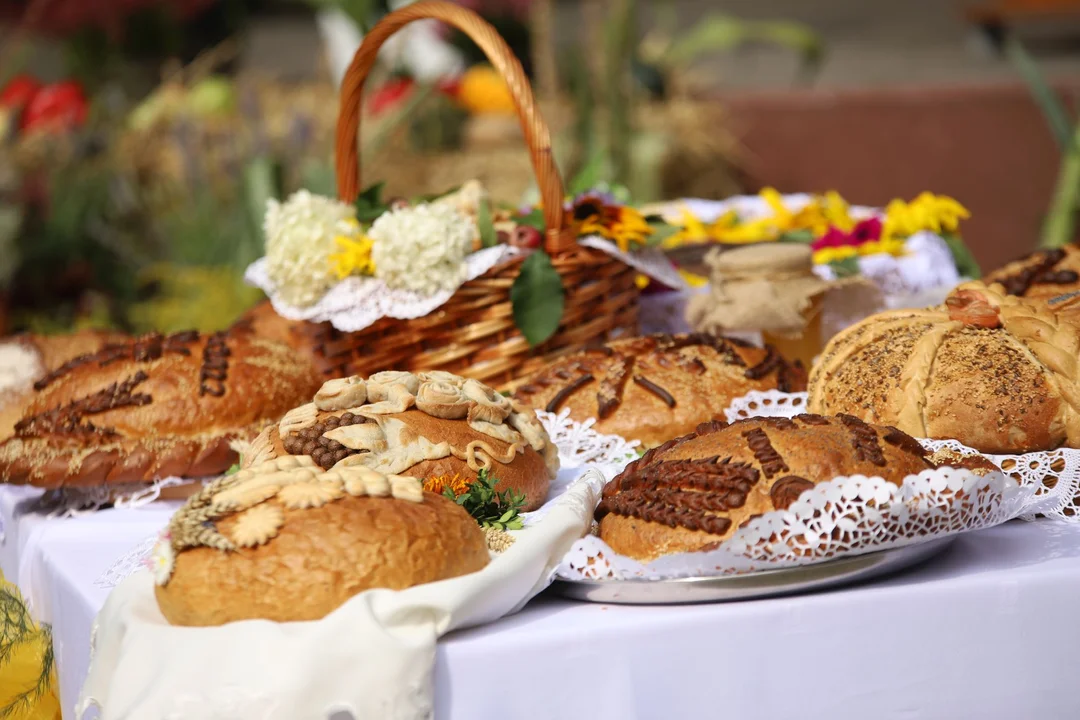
(369, 204)
(966, 263)
(848, 267)
(537, 298)
(1053, 109)
(18, 630)
(720, 32)
(488, 236)
(1060, 225)
(489, 507)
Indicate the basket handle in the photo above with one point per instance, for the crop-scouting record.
(558, 236)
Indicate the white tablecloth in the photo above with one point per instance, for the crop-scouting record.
(986, 630)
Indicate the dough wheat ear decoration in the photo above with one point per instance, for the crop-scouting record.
(996, 372)
(422, 425)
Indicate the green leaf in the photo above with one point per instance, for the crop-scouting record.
(369, 205)
(966, 264)
(847, 267)
(535, 219)
(798, 236)
(593, 174)
(722, 32)
(233, 469)
(488, 236)
(537, 298)
(1057, 117)
(262, 183)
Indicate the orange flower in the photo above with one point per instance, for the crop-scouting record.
(439, 483)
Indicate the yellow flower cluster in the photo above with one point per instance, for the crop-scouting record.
(354, 257)
(816, 217)
(927, 212)
(621, 224)
(889, 246)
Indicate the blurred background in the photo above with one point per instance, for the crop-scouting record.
(140, 139)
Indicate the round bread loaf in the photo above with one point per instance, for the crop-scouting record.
(691, 493)
(287, 541)
(423, 425)
(996, 372)
(1042, 275)
(657, 387)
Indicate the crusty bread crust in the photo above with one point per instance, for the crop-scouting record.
(657, 387)
(152, 408)
(694, 492)
(320, 558)
(996, 372)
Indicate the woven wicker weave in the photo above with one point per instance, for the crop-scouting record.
(474, 334)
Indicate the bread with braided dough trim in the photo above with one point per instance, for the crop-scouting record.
(994, 371)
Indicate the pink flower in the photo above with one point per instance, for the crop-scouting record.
(865, 231)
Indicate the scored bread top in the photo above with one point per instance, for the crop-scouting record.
(657, 387)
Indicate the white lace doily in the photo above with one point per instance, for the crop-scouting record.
(73, 502)
(928, 265)
(845, 516)
(1054, 475)
(356, 303)
(647, 261)
(580, 447)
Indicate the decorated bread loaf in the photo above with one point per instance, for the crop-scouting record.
(25, 359)
(1042, 275)
(657, 387)
(691, 493)
(423, 425)
(153, 408)
(996, 372)
(289, 541)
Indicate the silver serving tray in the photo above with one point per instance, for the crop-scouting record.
(767, 583)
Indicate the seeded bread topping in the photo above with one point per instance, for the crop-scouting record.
(996, 372)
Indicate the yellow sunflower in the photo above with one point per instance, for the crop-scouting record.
(621, 224)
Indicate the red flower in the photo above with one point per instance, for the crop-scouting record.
(865, 231)
(60, 106)
(19, 92)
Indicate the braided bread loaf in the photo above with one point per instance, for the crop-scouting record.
(1041, 275)
(994, 371)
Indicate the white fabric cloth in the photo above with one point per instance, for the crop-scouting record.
(958, 637)
(281, 671)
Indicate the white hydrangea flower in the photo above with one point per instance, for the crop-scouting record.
(422, 248)
(299, 241)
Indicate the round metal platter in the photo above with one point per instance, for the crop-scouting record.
(767, 583)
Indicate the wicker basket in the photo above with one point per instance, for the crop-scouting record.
(474, 334)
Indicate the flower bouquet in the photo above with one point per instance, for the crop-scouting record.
(911, 251)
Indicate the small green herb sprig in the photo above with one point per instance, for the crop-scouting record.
(490, 508)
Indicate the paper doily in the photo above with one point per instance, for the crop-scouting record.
(1054, 475)
(356, 303)
(927, 266)
(579, 447)
(844, 516)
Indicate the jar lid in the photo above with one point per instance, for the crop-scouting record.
(766, 258)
